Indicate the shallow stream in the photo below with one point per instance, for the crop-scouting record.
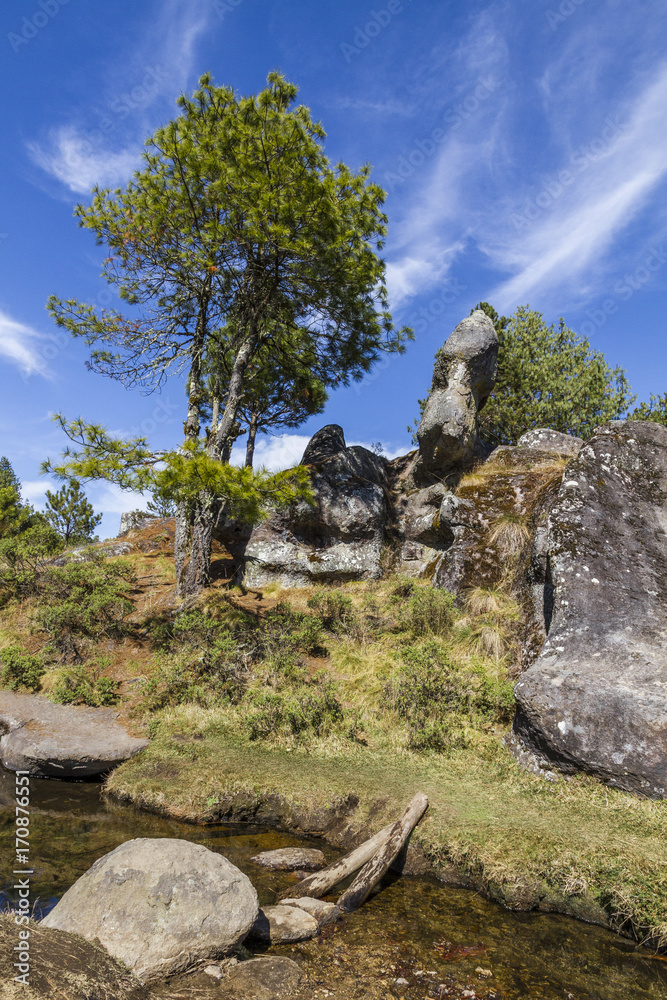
(415, 938)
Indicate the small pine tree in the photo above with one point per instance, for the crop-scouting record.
(655, 410)
(161, 505)
(8, 478)
(71, 514)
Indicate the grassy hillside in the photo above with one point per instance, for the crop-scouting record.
(326, 709)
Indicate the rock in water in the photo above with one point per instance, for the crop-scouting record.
(160, 906)
(284, 925)
(61, 741)
(325, 913)
(291, 859)
(463, 377)
(263, 979)
(341, 537)
(596, 699)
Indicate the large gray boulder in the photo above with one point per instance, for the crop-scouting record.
(341, 536)
(61, 741)
(160, 906)
(596, 698)
(544, 439)
(463, 377)
(424, 534)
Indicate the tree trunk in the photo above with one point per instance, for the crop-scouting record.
(198, 570)
(181, 547)
(250, 447)
(379, 865)
(321, 883)
(224, 438)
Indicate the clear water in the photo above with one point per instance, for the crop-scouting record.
(432, 936)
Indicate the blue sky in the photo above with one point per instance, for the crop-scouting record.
(523, 145)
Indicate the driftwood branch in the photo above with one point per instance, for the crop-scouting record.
(380, 863)
(320, 883)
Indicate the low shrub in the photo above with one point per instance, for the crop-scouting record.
(84, 601)
(300, 710)
(84, 685)
(19, 669)
(427, 611)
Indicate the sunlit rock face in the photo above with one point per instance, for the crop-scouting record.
(463, 377)
(596, 698)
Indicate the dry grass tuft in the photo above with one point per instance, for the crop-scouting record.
(509, 533)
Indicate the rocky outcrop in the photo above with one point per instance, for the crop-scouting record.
(544, 439)
(596, 699)
(463, 377)
(284, 925)
(160, 906)
(307, 859)
(136, 520)
(341, 536)
(61, 741)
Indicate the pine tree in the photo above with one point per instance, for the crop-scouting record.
(8, 478)
(549, 376)
(655, 410)
(238, 223)
(71, 514)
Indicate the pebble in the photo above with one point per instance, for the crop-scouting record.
(401, 982)
(214, 970)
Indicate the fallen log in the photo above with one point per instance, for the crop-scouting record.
(380, 863)
(320, 883)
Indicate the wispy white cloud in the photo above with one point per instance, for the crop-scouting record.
(70, 157)
(22, 346)
(283, 451)
(612, 178)
(432, 180)
(104, 145)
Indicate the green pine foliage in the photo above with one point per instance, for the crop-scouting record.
(71, 514)
(243, 254)
(549, 376)
(8, 478)
(655, 410)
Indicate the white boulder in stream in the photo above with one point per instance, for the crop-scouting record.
(61, 741)
(284, 925)
(160, 906)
